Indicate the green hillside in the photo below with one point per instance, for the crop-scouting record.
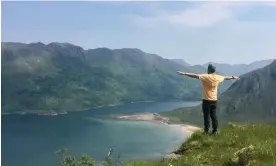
(64, 77)
(236, 145)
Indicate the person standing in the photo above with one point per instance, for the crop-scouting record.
(210, 82)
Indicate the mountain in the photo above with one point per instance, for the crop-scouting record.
(181, 62)
(250, 99)
(225, 69)
(253, 93)
(198, 69)
(62, 77)
(239, 69)
(236, 70)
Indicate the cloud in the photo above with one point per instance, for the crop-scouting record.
(270, 3)
(198, 15)
(204, 15)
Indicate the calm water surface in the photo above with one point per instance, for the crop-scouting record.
(31, 140)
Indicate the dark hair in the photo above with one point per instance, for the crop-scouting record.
(211, 69)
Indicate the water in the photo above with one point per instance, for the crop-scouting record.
(31, 140)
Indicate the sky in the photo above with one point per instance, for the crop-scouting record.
(198, 32)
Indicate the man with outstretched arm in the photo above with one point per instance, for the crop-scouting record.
(210, 82)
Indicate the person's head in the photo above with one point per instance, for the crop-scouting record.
(211, 69)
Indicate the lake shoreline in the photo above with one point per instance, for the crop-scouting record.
(156, 118)
(55, 113)
(39, 113)
(184, 129)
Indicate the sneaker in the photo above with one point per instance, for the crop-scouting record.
(215, 133)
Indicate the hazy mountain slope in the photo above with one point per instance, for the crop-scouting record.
(239, 69)
(181, 62)
(62, 76)
(254, 93)
(250, 99)
(236, 70)
(225, 69)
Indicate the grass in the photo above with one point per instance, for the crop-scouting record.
(234, 146)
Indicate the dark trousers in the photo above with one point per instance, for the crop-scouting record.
(209, 110)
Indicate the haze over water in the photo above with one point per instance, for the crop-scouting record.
(31, 140)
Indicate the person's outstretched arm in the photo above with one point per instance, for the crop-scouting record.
(192, 75)
(231, 78)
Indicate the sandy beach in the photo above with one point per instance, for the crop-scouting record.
(154, 117)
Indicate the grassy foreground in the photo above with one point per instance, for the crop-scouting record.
(235, 145)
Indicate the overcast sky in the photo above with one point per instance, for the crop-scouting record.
(197, 32)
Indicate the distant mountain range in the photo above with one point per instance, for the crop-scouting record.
(226, 69)
(61, 76)
(240, 69)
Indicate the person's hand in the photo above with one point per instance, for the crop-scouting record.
(180, 73)
(236, 78)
